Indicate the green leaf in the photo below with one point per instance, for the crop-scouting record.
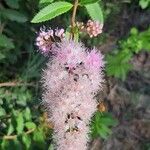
(51, 11)
(20, 123)
(6, 42)
(2, 56)
(10, 129)
(103, 134)
(86, 2)
(27, 114)
(134, 31)
(39, 136)
(2, 112)
(46, 1)
(13, 3)
(108, 121)
(118, 65)
(101, 125)
(30, 125)
(14, 15)
(26, 140)
(95, 12)
(105, 129)
(144, 3)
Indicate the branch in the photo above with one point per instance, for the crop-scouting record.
(11, 137)
(74, 17)
(13, 84)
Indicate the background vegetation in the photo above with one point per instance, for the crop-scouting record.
(125, 42)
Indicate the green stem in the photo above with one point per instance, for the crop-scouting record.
(73, 24)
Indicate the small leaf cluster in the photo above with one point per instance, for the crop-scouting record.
(101, 125)
(118, 63)
(20, 127)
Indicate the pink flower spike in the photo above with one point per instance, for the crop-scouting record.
(70, 83)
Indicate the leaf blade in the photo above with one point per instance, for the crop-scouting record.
(86, 2)
(95, 12)
(56, 8)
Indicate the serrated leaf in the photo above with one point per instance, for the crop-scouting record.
(86, 2)
(30, 125)
(6, 42)
(14, 15)
(51, 11)
(13, 3)
(95, 12)
(46, 1)
(20, 123)
(118, 65)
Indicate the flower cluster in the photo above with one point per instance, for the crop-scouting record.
(46, 38)
(70, 82)
(92, 28)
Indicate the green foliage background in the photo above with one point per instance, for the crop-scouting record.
(23, 122)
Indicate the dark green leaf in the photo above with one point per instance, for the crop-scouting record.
(2, 56)
(85, 2)
(51, 11)
(13, 3)
(14, 15)
(46, 1)
(6, 42)
(95, 12)
(2, 112)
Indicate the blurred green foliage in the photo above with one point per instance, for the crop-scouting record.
(101, 125)
(22, 121)
(144, 3)
(118, 64)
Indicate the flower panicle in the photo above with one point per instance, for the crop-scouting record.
(70, 81)
(92, 28)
